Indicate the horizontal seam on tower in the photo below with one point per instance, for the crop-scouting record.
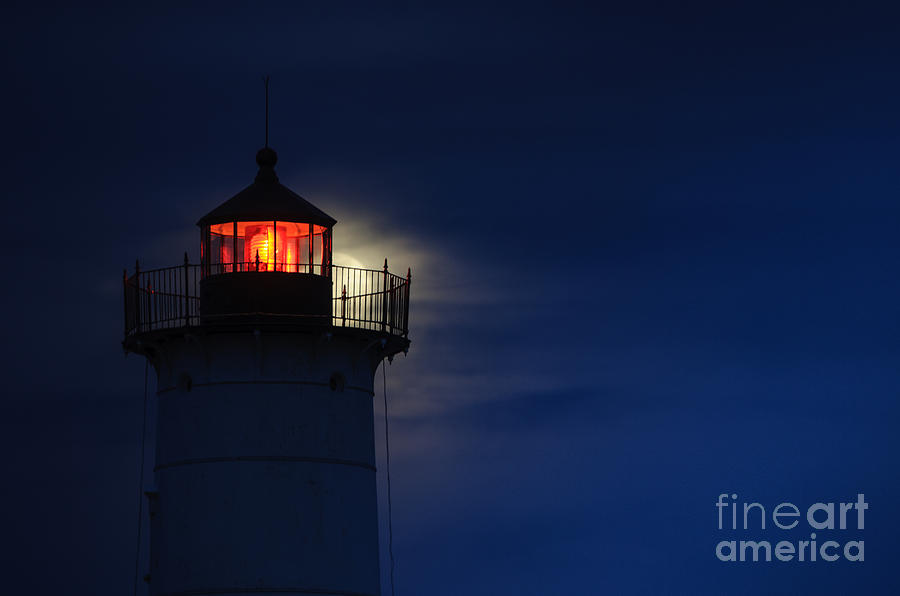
(266, 458)
(316, 383)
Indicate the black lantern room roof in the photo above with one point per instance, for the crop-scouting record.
(267, 199)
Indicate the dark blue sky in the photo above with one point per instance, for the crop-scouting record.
(654, 255)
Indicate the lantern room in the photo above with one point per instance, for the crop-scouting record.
(267, 250)
(287, 246)
(266, 227)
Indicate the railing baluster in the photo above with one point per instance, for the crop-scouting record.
(165, 298)
(391, 309)
(137, 295)
(406, 303)
(187, 308)
(125, 296)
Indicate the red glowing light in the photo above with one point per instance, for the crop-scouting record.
(280, 246)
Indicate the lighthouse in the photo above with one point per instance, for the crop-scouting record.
(265, 352)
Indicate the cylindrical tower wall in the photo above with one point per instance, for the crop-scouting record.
(265, 465)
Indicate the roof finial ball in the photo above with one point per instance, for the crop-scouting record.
(266, 157)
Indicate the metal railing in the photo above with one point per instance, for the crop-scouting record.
(370, 299)
(169, 298)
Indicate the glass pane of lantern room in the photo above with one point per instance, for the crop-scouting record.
(292, 259)
(280, 246)
(303, 248)
(317, 248)
(239, 263)
(221, 248)
(326, 253)
(257, 242)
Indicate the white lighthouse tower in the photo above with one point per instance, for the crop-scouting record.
(265, 353)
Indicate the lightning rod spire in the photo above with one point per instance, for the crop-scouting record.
(266, 80)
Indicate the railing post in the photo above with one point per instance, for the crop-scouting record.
(384, 297)
(125, 297)
(187, 303)
(344, 306)
(150, 301)
(393, 307)
(139, 307)
(406, 303)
